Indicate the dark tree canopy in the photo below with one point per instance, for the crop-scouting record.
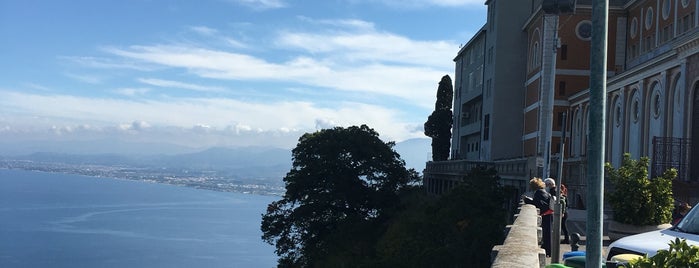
(342, 181)
(458, 229)
(445, 94)
(438, 125)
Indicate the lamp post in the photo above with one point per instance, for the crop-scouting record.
(552, 8)
(597, 123)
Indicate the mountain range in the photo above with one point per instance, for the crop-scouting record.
(241, 162)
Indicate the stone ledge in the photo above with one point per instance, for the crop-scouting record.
(521, 247)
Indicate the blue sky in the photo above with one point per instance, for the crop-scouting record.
(224, 72)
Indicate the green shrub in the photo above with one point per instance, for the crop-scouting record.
(680, 254)
(636, 199)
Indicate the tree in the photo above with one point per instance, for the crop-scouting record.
(458, 229)
(343, 181)
(438, 125)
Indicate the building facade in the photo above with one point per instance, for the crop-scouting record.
(536, 69)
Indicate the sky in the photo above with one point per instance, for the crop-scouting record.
(224, 72)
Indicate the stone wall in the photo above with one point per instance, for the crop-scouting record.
(521, 245)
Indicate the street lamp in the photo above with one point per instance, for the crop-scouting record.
(552, 8)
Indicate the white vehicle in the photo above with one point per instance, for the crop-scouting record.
(649, 243)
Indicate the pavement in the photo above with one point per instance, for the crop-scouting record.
(577, 220)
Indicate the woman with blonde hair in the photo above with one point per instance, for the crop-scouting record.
(543, 201)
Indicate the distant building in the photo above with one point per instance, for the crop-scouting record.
(508, 97)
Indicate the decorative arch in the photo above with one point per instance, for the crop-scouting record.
(617, 129)
(694, 131)
(655, 114)
(676, 107)
(535, 50)
(634, 117)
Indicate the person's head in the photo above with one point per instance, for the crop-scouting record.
(564, 190)
(549, 183)
(536, 184)
(684, 208)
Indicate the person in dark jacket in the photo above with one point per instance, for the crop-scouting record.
(551, 186)
(543, 201)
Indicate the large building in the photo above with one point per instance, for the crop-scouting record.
(517, 77)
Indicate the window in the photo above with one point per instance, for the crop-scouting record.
(685, 3)
(685, 22)
(649, 18)
(657, 101)
(584, 30)
(666, 9)
(488, 85)
(648, 44)
(666, 33)
(561, 88)
(490, 55)
(486, 127)
(470, 84)
(560, 119)
(634, 27)
(636, 109)
(564, 52)
(617, 114)
(534, 55)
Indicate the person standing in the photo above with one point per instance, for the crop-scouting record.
(543, 201)
(564, 212)
(551, 187)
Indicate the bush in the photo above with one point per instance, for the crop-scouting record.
(637, 200)
(680, 254)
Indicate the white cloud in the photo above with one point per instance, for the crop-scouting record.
(132, 92)
(415, 83)
(323, 123)
(261, 4)
(234, 43)
(427, 3)
(373, 46)
(177, 84)
(354, 24)
(135, 126)
(179, 119)
(105, 63)
(90, 79)
(456, 3)
(203, 30)
(37, 86)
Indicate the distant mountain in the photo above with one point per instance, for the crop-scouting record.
(238, 162)
(92, 147)
(415, 152)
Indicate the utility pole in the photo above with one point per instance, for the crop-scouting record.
(552, 9)
(595, 148)
(548, 88)
(556, 236)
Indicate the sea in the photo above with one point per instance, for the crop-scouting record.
(63, 220)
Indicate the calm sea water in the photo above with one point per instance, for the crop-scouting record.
(59, 220)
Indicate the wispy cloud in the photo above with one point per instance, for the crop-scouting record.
(176, 114)
(261, 4)
(427, 3)
(372, 46)
(85, 78)
(106, 63)
(355, 57)
(132, 92)
(37, 86)
(355, 24)
(177, 84)
(203, 30)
